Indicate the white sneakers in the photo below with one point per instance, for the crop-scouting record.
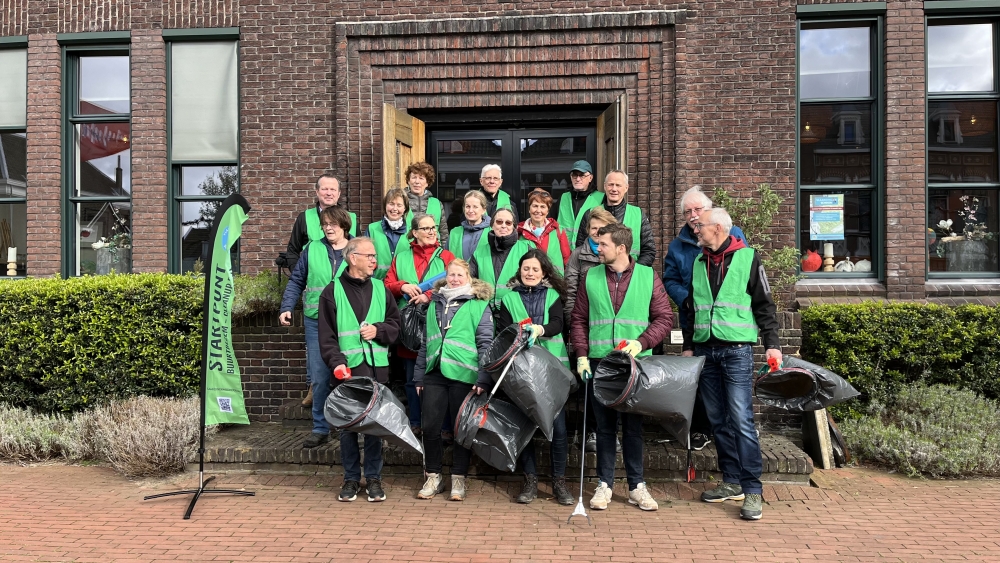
(457, 488)
(433, 486)
(639, 496)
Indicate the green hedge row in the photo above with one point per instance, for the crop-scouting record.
(880, 347)
(70, 344)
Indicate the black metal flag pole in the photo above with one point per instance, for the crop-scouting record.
(238, 200)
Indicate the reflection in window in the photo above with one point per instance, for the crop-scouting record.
(545, 163)
(960, 58)
(105, 237)
(835, 63)
(459, 163)
(202, 190)
(962, 230)
(104, 156)
(104, 85)
(962, 141)
(835, 144)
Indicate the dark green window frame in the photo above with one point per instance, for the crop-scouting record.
(17, 42)
(961, 12)
(74, 46)
(174, 247)
(843, 15)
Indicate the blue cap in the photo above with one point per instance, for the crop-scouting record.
(582, 166)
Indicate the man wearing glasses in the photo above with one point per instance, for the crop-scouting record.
(676, 279)
(358, 322)
(491, 179)
(577, 201)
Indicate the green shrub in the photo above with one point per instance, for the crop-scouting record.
(938, 431)
(880, 347)
(260, 293)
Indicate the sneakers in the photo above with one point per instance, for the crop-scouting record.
(315, 440)
(416, 430)
(529, 491)
(699, 441)
(640, 497)
(590, 445)
(753, 507)
(602, 496)
(375, 492)
(561, 492)
(724, 492)
(458, 488)
(349, 491)
(307, 401)
(433, 486)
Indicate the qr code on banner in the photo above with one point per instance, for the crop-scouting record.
(225, 404)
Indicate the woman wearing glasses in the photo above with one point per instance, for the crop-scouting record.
(422, 261)
(544, 231)
(468, 237)
(459, 332)
(497, 263)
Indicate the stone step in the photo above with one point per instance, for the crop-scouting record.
(276, 447)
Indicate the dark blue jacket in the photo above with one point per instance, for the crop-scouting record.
(679, 261)
(297, 282)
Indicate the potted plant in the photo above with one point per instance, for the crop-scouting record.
(114, 253)
(966, 251)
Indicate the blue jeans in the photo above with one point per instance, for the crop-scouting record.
(319, 374)
(350, 456)
(726, 386)
(558, 449)
(412, 399)
(607, 430)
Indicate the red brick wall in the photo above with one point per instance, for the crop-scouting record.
(44, 155)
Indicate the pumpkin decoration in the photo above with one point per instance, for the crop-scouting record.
(812, 261)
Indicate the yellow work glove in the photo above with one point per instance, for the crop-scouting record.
(537, 331)
(632, 348)
(583, 369)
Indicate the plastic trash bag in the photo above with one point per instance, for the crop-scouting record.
(413, 329)
(494, 430)
(506, 343)
(800, 386)
(539, 385)
(362, 405)
(663, 387)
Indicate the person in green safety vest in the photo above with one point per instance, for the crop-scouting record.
(497, 263)
(387, 233)
(543, 231)
(323, 260)
(358, 322)
(729, 306)
(491, 178)
(624, 305)
(307, 225)
(459, 332)
(616, 186)
(419, 176)
(537, 294)
(466, 239)
(578, 200)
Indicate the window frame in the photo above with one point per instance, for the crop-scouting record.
(11, 44)
(959, 17)
(863, 16)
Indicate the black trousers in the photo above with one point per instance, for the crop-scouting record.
(441, 396)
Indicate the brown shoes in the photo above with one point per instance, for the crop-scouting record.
(308, 400)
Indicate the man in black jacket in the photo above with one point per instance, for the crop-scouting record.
(307, 225)
(367, 356)
(615, 189)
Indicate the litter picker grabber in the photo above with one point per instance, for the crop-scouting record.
(580, 510)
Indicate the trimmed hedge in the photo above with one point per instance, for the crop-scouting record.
(881, 347)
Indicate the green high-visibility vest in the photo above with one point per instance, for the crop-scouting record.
(503, 200)
(608, 329)
(354, 223)
(633, 220)
(349, 329)
(405, 270)
(382, 248)
(570, 221)
(457, 237)
(554, 251)
(728, 316)
(314, 228)
(459, 357)
(484, 259)
(434, 210)
(319, 274)
(555, 343)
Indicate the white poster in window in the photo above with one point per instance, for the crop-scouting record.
(826, 217)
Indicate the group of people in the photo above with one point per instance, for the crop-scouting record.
(580, 270)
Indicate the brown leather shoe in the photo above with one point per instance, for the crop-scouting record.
(308, 400)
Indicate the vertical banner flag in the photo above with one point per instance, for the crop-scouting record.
(222, 390)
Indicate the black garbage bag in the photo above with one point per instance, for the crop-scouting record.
(800, 386)
(538, 384)
(663, 387)
(362, 405)
(413, 318)
(494, 430)
(505, 345)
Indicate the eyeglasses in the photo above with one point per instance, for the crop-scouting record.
(695, 211)
(700, 226)
(490, 179)
(578, 174)
(507, 223)
(427, 229)
(370, 257)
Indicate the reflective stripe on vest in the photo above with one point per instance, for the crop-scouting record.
(459, 357)
(351, 345)
(456, 240)
(727, 317)
(406, 271)
(434, 210)
(607, 329)
(318, 276)
(484, 260)
(382, 249)
(571, 222)
(554, 344)
(314, 228)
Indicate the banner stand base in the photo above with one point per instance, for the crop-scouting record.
(200, 491)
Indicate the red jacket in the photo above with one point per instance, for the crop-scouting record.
(661, 316)
(421, 257)
(542, 242)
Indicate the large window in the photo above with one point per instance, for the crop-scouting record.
(204, 144)
(839, 140)
(13, 159)
(99, 177)
(963, 179)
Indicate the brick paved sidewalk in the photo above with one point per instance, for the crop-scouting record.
(90, 514)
